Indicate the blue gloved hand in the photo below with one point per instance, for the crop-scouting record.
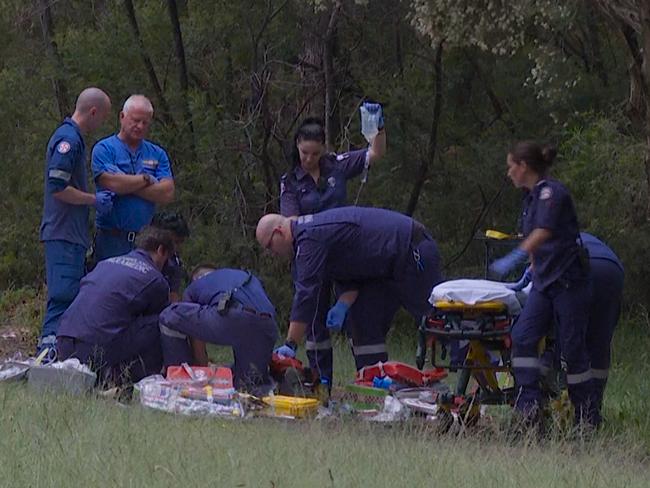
(375, 108)
(104, 201)
(288, 350)
(523, 281)
(501, 267)
(336, 316)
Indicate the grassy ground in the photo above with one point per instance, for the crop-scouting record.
(69, 441)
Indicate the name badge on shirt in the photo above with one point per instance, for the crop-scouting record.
(305, 219)
(150, 163)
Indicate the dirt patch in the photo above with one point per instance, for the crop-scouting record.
(16, 340)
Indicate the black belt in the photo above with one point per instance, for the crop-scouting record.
(128, 235)
(252, 311)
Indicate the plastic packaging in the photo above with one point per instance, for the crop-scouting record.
(369, 123)
(157, 393)
(13, 370)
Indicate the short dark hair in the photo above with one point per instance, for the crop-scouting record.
(538, 157)
(311, 129)
(201, 267)
(150, 238)
(172, 221)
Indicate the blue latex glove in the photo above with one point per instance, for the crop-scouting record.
(375, 108)
(501, 267)
(104, 201)
(523, 281)
(287, 350)
(336, 316)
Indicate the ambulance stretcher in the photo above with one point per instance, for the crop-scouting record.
(476, 314)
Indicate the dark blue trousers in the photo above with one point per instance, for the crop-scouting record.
(566, 301)
(370, 317)
(64, 268)
(250, 335)
(129, 357)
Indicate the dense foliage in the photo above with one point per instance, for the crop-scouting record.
(460, 81)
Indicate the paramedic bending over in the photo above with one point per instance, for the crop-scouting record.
(317, 182)
(560, 289)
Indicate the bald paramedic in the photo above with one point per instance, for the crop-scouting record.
(137, 171)
(112, 325)
(64, 227)
(380, 259)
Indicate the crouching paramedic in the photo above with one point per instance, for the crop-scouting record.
(225, 307)
(382, 259)
(112, 324)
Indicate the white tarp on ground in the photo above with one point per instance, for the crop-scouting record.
(472, 292)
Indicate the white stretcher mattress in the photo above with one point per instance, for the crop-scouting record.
(472, 292)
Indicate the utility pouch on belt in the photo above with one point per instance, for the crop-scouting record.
(226, 297)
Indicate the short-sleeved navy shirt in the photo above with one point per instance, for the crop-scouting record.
(113, 295)
(300, 194)
(112, 155)
(549, 206)
(246, 289)
(65, 165)
(347, 244)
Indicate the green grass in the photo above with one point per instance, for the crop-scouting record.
(50, 440)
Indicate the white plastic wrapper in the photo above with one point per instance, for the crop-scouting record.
(72, 363)
(393, 411)
(158, 393)
(13, 370)
(472, 292)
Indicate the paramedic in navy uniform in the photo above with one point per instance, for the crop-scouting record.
(138, 171)
(380, 260)
(560, 285)
(317, 182)
(64, 227)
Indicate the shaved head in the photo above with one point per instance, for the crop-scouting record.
(273, 232)
(92, 97)
(92, 108)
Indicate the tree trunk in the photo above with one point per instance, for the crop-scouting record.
(428, 160)
(182, 72)
(331, 105)
(151, 72)
(47, 27)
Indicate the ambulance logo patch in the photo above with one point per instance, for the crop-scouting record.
(546, 193)
(63, 147)
(331, 181)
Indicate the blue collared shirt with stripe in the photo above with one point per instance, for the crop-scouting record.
(65, 165)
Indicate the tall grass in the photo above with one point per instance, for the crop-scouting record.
(48, 440)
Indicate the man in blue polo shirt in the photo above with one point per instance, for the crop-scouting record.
(64, 227)
(138, 171)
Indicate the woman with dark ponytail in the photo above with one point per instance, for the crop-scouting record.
(316, 182)
(560, 290)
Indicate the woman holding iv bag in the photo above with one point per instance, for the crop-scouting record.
(316, 182)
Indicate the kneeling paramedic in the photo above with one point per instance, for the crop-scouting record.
(226, 307)
(381, 260)
(112, 324)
